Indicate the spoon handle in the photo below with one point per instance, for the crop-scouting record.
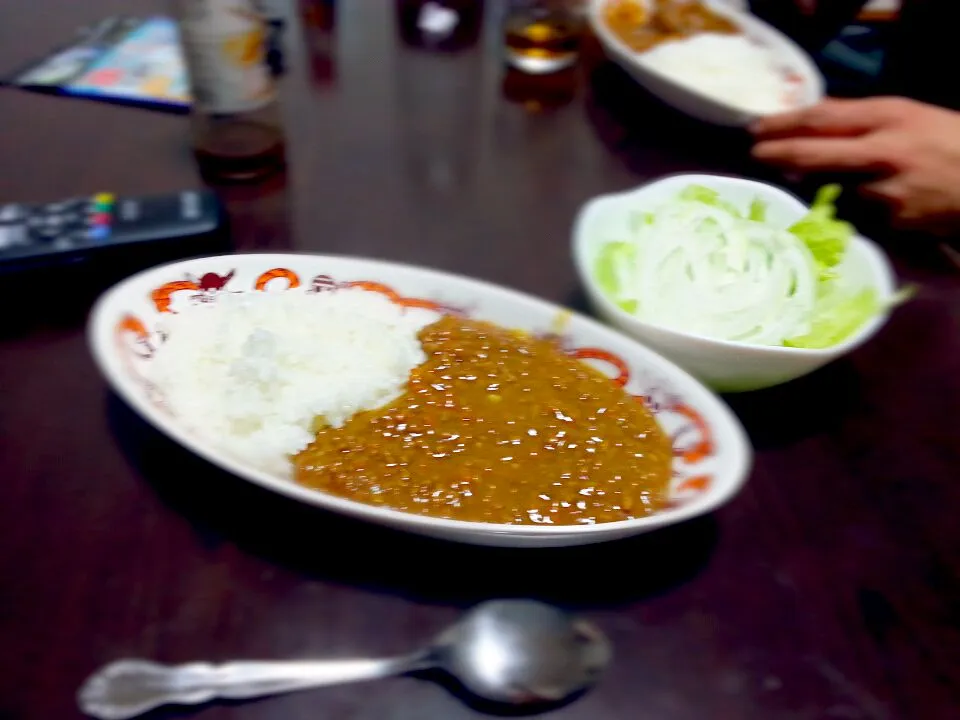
(127, 688)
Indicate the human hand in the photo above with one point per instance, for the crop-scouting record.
(911, 149)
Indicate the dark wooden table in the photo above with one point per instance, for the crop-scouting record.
(828, 589)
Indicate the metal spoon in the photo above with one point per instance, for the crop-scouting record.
(516, 652)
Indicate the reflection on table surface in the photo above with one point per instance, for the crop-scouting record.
(828, 588)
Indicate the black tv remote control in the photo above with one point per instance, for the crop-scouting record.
(96, 227)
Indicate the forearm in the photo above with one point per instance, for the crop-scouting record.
(812, 30)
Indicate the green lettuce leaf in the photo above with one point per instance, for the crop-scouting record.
(708, 196)
(611, 256)
(822, 233)
(836, 317)
(758, 210)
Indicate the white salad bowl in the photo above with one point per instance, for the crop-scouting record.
(786, 55)
(726, 366)
(712, 455)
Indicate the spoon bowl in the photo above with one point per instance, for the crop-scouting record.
(521, 652)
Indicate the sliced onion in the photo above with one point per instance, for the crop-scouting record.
(702, 270)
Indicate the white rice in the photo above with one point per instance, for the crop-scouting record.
(728, 68)
(252, 371)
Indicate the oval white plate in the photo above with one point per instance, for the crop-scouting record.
(786, 54)
(712, 456)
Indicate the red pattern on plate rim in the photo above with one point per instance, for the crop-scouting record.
(692, 441)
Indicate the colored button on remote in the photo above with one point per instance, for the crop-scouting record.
(100, 232)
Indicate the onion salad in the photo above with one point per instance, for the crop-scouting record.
(700, 265)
